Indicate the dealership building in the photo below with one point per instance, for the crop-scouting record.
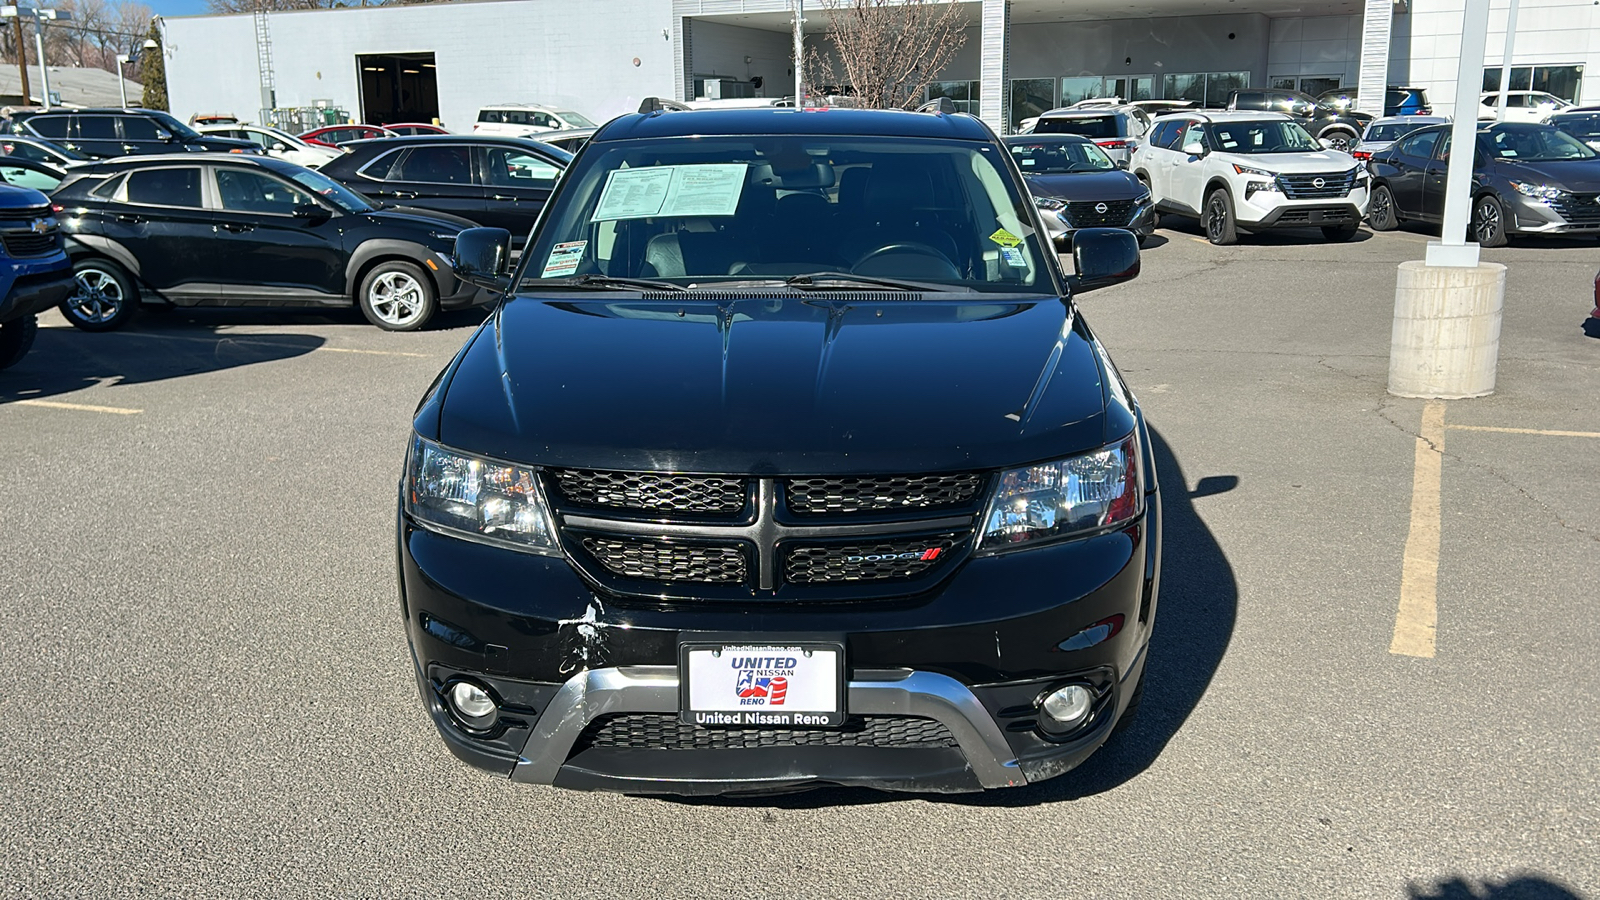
(602, 57)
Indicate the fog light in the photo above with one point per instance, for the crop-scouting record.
(1068, 707)
(473, 704)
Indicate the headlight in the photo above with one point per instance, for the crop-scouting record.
(1259, 173)
(1068, 497)
(1049, 203)
(1142, 198)
(1540, 191)
(478, 499)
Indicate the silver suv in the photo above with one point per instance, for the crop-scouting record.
(1117, 131)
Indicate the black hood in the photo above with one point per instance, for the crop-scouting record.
(782, 385)
(1578, 175)
(410, 215)
(1113, 185)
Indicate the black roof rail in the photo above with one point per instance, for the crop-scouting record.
(939, 105)
(660, 104)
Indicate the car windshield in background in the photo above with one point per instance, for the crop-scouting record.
(174, 126)
(1393, 131)
(1087, 126)
(332, 191)
(1057, 156)
(1582, 126)
(1532, 143)
(707, 210)
(1262, 137)
(574, 120)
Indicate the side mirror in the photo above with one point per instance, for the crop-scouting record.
(483, 257)
(1194, 148)
(311, 212)
(163, 135)
(1327, 143)
(1103, 257)
(1122, 164)
(279, 147)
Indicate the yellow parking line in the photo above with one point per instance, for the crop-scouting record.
(1539, 431)
(1416, 619)
(80, 407)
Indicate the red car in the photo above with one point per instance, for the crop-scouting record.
(334, 135)
(411, 128)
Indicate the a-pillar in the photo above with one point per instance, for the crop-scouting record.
(995, 63)
(1376, 24)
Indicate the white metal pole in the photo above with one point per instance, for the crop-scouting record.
(1453, 250)
(122, 80)
(799, 53)
(44, 72)
(1505, 67)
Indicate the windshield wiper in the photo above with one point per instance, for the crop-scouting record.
(825, 280)
(597, 281)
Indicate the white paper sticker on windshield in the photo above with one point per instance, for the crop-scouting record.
(1013, 257)
(706, 190)
(633, 193)
(564, 259)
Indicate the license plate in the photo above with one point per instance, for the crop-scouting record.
(762, 685)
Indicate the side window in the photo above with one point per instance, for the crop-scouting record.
(97, 128)
(543, 120)
(28, 178)
(488, 115)
(1195, 133)
(166, 187)
(25, 151)
(1419, 145)
(383, 166)
(259, 138)
(1164, 135)
(49, 126)
(107, 189)
(241, 190)
(138, 128)
(514, 117)
(513, 168)
(436, 165)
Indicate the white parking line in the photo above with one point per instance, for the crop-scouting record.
(1417, 618)
(80, 407)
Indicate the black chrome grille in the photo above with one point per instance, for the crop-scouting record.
(818, 496)
(1092, 213)
(1579, 209)
(651, 491)
(1317, 215)
(30, 244)
(663, 731)
(654, 560)
(1305, 187)
(864, 561)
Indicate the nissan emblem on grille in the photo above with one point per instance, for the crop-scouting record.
(1319, 183)
(1101, 208)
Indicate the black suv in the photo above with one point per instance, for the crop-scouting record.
(232, 230)
(107, 133)
(497, 182)
(788, 461)
(1341, 129)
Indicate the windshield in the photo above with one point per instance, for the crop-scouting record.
(574, 120)
(1261, 137)
(332, 191)
(1583, 126)
(1391, 131)
(1087, 126)
(705, 210)
(174, 126)
(1055, 156)
(1531, 143)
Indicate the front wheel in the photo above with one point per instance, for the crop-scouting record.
(398, 296)
(105, 298)
(1489, 222)
(1341, 141)
(1381, 214)
(1221, 229)
(16, 339)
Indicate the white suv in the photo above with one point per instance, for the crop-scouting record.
(524, 119)
(1250, 171)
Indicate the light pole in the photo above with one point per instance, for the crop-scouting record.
(122, 80)
(39, 17)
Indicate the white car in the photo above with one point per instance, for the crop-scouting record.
(524, 119)
(1521, 106)
(275, 142)
(1250, 171)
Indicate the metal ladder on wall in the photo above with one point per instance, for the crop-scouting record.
(264, 61)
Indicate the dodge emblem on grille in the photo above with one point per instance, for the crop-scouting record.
(1101, 208)
(1318, 183)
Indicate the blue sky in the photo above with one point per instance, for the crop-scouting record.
(177, 7)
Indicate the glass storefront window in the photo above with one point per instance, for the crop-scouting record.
(1031, 98)
(1219, 84)
(1184, 87)
(964, 94)
(1082, 87)
(1565, 82)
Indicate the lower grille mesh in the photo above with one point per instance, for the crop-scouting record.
(877, 561)
(663, 731)
(663, 561)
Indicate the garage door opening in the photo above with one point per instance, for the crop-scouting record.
(398, 87)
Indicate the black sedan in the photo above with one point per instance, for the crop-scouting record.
(1526, 179)
(1076, 185)
(234, 230)
(495, 182)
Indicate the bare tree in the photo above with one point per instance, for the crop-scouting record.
(888, 51)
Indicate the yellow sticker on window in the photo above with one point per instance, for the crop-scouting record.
(1005, 238)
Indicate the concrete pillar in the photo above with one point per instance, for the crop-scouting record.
(1446, 339)
(1376, 23)
(994, 63)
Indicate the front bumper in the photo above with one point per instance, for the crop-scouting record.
(35, 287)
(1580, 215)
(972, 657)
(1271, 209)
(1061, 228)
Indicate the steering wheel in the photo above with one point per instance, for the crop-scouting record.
(905, 248)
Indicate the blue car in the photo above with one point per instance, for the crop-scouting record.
(34, 272)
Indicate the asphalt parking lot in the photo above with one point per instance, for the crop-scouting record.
(205, 689)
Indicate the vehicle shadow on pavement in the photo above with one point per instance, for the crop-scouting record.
(1195, 618)
(219, 317)
(1517, 887)
(66, 360)
(1277, 237)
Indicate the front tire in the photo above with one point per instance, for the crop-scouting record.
(1341, 141)
(16, 339)
(1381, 213)
(398, 296)
(105, 299)
(1489, 222)
(1221, 227)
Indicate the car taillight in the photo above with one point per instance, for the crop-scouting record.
(1361, 154)
(1112, 145)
